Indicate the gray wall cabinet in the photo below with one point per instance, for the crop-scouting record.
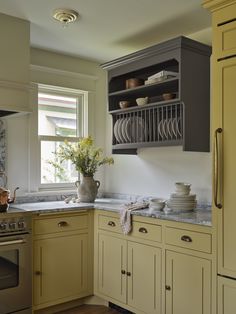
(183, 120)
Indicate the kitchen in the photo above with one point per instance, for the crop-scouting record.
(156, 174)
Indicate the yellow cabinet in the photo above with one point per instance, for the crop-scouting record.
(62, 258)
(144, 277)
(224, 128)
(128, 272)
(226, 296)
(112, 267)
(160, 267)
(225, 75)
(188, 284)
(60, 268)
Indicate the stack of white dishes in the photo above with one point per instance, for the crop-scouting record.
(160, 76)
(182, 200)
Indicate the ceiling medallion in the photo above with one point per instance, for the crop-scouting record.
(65, 16)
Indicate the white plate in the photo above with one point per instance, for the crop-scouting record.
(136, 130)
(164, 129)
(123, 129)
(183, 197)
(181, 206)
(122, 139)
(179, 127)
(169, 128)
(116, 131)
(159, 128)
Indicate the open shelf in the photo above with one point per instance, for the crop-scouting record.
(147, 88)
(141, 126)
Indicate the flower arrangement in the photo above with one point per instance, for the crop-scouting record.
(83, 155)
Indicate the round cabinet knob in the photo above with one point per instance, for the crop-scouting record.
(3, 226)
(12, 225)
(168, 287)
(21, 224)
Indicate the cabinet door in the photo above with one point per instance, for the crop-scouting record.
(112, 254)
(60, 268)
(226, 296)
(188, 284)
(226, 101)
(144, 277)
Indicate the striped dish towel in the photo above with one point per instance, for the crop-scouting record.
(125, 215)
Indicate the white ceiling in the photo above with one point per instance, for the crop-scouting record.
(108, 29)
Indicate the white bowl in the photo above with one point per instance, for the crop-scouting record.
(182, 185)
(182, 188)
(157, 203)
(142, 101)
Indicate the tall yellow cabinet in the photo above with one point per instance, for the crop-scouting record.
(224, 130)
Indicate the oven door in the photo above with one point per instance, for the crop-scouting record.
(15, 273)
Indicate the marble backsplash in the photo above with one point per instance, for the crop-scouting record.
(2, 146)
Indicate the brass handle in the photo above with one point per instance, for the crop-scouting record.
(62, 224)
(143, 230)
(123, 272)
(168, 287)
(111, 223)
(38, 272)
(128, 273)
(186, 238)
(216, 168)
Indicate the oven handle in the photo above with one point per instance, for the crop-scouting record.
(20, 241)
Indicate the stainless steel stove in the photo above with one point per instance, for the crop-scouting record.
(15, 263)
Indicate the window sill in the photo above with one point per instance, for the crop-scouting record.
(45, 192)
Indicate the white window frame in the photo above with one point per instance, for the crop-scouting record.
(82, 127)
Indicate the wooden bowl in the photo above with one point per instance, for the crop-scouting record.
(133, 82)
(168, 96)
(124, 104)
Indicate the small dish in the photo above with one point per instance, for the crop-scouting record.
(168, 96)
(157, 203)
(133, 82)
(124, 104)
(142, 101)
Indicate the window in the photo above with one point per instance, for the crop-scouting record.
(61, 116)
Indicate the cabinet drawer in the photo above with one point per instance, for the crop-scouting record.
(146, 231)
(224, 38)
(109, 223)
(60, 224)
(189, 239)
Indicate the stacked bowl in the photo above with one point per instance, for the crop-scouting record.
(182, 200)
(157, 204)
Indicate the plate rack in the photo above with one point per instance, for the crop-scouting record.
(154, 126)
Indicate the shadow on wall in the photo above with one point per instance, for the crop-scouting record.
(183, 25)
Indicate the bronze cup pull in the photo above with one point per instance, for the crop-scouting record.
(143, 230)
(111, 223)
(186, 238)
(62, 224)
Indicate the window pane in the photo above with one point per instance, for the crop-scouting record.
(57, 115)
(52, 171)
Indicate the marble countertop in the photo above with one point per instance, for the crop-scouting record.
(200, 216)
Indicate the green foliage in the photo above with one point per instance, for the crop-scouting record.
(83, 155)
